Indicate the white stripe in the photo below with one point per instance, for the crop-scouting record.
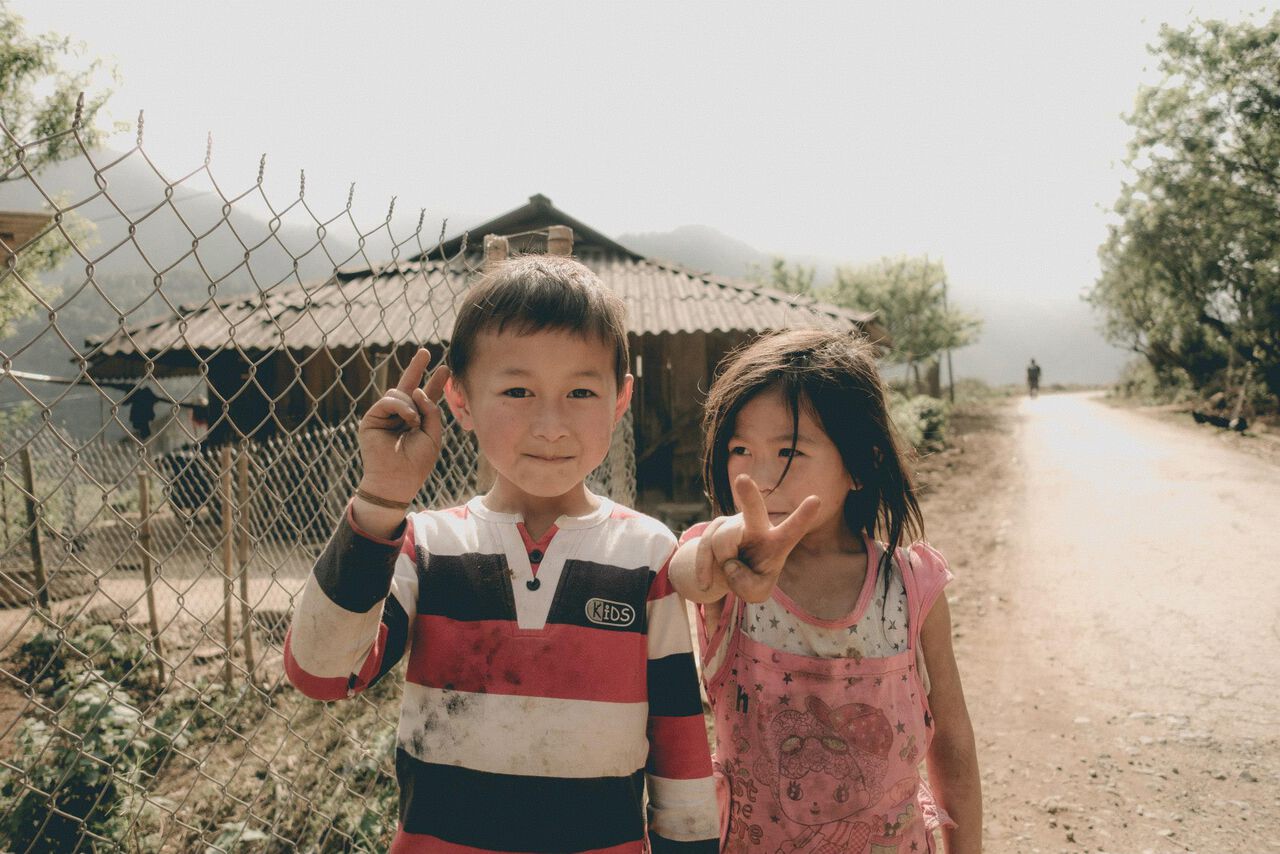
(683, 810)
(326, 639)
(531, 736)
(668, 626)
(446, 534)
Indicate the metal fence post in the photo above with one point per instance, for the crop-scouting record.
(33, 528)
(144, 545)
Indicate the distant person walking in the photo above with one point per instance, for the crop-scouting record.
(1033, 379)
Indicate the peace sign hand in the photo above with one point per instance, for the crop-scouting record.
(400, 435)
(746, 552)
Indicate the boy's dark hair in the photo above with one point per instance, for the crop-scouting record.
(532, 293)
(833, 375)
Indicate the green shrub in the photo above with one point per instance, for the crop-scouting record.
(920, 420)
(69, 776)
(49, 658)
(1141, 382)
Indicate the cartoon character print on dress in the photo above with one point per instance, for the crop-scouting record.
(824, 765)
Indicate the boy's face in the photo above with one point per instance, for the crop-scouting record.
(543, 407)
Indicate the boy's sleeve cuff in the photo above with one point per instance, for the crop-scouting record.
(398, 534)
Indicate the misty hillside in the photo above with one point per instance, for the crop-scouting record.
(698, 247)
(1060, 333)
(155, 269)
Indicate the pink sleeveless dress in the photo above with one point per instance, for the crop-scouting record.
(823, 754)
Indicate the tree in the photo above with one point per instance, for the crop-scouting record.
(788, 278)
(38, 97)
(38, 104)
(1191, 272)
(910, 297)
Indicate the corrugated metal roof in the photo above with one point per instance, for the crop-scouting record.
(415, 302)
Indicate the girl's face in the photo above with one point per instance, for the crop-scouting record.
(761, 446)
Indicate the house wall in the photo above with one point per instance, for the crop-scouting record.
(667, 410)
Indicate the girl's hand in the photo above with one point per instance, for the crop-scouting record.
(747, 551)
(400, 435)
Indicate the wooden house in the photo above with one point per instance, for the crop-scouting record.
(319, 353)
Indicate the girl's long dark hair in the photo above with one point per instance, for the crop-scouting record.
(833, 376)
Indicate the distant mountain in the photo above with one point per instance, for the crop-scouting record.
(698, 247)
(1060, 334)
(153, 248)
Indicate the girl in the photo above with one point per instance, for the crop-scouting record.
(826, 654)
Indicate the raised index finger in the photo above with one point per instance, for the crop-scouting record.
(412, 376)
(751, 504)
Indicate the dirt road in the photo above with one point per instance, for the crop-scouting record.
(1119, 631)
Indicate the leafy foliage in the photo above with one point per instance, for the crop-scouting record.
(1191, 273)
(38, 102)
(83, 765)
(788, 278)
(104, 765)
(921, 420)
(910, 297)
(39, 87)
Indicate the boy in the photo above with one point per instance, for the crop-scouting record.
(550, 672)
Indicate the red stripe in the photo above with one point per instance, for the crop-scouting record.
(421, 843)
(620, 512)
(661, 584)
(678, 748)
(332, 687)
(559, 662)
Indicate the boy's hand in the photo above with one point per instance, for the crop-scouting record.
(400, 435)
(748, 551)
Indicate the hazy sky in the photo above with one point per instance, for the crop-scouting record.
(987, 134)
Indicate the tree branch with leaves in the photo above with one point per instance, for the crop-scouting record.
(909, 295)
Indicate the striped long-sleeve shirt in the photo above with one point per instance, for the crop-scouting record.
(549, 684)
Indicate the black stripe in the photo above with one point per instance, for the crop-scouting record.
(600, 596)
(467, 587)
(355, 572)
(508, 812)
(673, 686)
(397, 623)
(662, 845)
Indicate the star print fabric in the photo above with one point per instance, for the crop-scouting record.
(820, 732)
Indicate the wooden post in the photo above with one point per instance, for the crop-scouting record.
(559, 240)
(1239, 407)
(246, 610)
(144, 545)
(33, 527)
(228, 507)
(496, 248)
(4, 500)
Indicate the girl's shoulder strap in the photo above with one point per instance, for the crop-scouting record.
(924, 574)
(693, 533)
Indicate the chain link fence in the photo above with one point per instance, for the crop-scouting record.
(181, 368)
